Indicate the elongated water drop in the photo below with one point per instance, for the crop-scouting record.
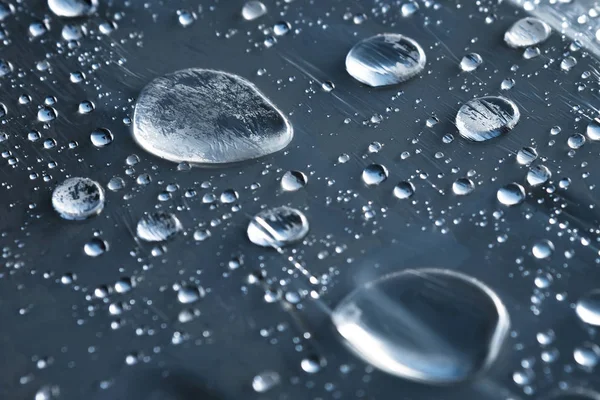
(73, 8)
(158, 227)
(78, 198)
(385, 59)
(487, 117)
(527, 32)
(208, 117)
(429, 325)
(277, 227)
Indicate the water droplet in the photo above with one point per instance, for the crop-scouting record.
(374, 174)
(277, 227)
(576, 140)
(185, 17)
(311, 365)
(538, 175)
(73, 8)
(527, 32)
(189, 294)
(507, 84)
(208, 117)
(526, 155)
(95, 247)
(253, 10)
(281, 28)
(433, 326)
(486, 118)
(47, 114)
(293, 180)
(78, 198)
(116, 184)
(265, 381)
(587, 355)
(568, 63)
(327, 86)
(229, 196)
(6, 68)
(463, 187)
(101, 137)
(47, 392)
(201, 235)
(588, 308)
(511, 194)
(158, 227)
(385, 59)
(593, 129)
(409, 8)
(471, 62)
(86, 107)
(542, 249)
(404, 190)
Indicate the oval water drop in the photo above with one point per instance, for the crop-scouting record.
(527, 32)
(593, 130)
(158, 227)
(430, 325)
(511, 194)
(463, 186)
(277, 227)
(78, 198)
(404, 190)
(253, 9)
(588, 308)
(385, 59)
(208, 117)
(538, 175)
(374, 174)
(487, 117)
(471, 62)
(292, 181)
(73, 8)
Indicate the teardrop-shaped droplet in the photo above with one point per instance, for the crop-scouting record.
(429, 325)
(527, 32)
(277, 227)
(487, 117)
(78, 198)
(511, 194)
(158, 227)
(101, 137)
(208, 117)
(385, 59)
(73, 8)
(588, 308)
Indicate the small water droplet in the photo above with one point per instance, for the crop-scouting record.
(538, 175)
(73, 8)
(101, 137)
(95, 247)
(404, 190)
(265, 381)
(527, 32)
(486, 118)
(471, 62)
(158, 227)
(374, 174)
(253, 10)
(277, 227)
(511, 194)
(463, 187)
(78, 198)
(542, 249)
(293, 180)
(588, 307)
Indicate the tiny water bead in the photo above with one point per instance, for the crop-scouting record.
(292, 181)
(527, 32)
(208, 117)
(588, 308)
(101, 137)
(511, 194)
(385, 59)
(542, 249)
(486, 118)
(463, 186)
(471, 62)
(158, 227)
(277, 227)
(429, 325)
(78, 198)
(404, 190)
(95, 247)
(253, 9)
(374, 174)
(73, 8)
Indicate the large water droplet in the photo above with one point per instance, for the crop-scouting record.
(253, 9)
(277, 227)
(158, 227)
(487, 117)
(95, 247)
(434, 326)
(265, 381)
(527, 32)
(78, 198)
(593, 129)
(404, 190)
(101, 137)
(538, 175)
(73, 8)
(587, 355)
(208, 117)
(511, 194)
(542, 249)
(527, 155)
(463, 186)
(588, 308)
(385, 59)
(293, 180)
